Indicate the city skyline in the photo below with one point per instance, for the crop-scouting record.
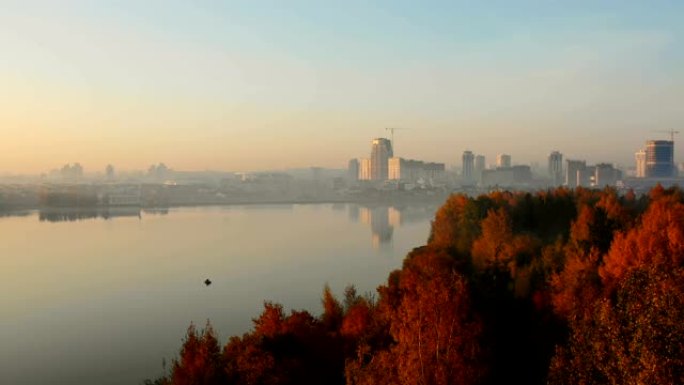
(245, 87)
(502, 160)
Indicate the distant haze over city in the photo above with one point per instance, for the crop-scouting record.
(246, 87)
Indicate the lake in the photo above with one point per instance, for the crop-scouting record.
(105, 297)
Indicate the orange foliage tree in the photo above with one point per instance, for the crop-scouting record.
(504, 278)
(433, 327)
(200, 361)
(633, 331)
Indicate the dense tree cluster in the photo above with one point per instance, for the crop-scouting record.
(559, 287)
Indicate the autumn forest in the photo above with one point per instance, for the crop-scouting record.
(556, 287)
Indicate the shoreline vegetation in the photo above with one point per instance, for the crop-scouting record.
(554, 287)
(71, 213)
(156, 195)
(385, 199)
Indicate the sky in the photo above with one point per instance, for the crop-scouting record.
(257, 85)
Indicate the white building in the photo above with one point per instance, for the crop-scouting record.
(503, 160)
(640, 158)
(408, 170)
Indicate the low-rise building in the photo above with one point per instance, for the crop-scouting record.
(408, 170)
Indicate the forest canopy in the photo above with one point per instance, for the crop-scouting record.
(559, 287)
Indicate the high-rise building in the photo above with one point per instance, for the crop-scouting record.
(605, 175)
(586, 177)
(468, 166)
(503, 160)
(479, 165)
(556, 168)
(640, 158)
(573, 172)
(353, 170)
(365, 169)
(660, 159)
(381, 151)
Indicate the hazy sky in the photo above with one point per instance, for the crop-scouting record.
(250, 85)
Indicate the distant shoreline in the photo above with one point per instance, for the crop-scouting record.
(434, 199)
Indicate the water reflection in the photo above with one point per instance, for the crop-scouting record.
(15, 213)
(156, 211)
(133, 286)
(78, 214)
(383, 219)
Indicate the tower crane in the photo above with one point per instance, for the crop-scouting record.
(391, 130)
(671, 132)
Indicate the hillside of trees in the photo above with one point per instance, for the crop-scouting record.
(557, 287)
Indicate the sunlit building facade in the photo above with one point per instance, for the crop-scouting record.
(409, 170)
(503, 160)
(365, 169)
(381, 152)
(640, 158)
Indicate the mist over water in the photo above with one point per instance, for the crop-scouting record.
(106, 298)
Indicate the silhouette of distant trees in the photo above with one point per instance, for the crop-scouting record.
(557, 287)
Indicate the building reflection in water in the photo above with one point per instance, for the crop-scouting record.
(384, 219)
(77, 214)
(378, 220)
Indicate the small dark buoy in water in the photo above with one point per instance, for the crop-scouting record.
(207, 282)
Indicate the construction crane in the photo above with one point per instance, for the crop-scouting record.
(671, 132)
(391, 130)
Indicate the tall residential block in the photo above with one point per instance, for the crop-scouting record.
(503, 160)
(381, 152)
(574, 173)
(605, 175)
(660, 159)
(353, 170)
(556, 168)
(640, 158)
(479, 165)
(468, 166)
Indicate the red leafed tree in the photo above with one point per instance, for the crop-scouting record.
(200, 360)
(578, 284)
(332, 310)
(270, 323)
(433, 327)
(633, 332)
(456, 224)
(248, 363)
(633, 336)
(357, 320)
(659, 239)
(493, 248)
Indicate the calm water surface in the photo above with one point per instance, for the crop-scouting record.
(106, 298)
